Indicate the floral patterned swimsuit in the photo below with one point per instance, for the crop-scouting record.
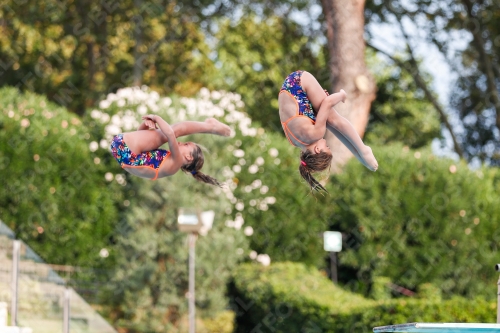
(293, 87)
(125, 157)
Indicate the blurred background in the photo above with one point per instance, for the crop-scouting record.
(419, 237)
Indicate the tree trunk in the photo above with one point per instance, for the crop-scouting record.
(346, 45)
(138, 56)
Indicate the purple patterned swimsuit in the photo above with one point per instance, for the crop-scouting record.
(124, 156)
(293, 86)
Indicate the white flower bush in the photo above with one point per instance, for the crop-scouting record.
(121, 112)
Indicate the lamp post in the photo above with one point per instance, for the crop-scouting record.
(332, 242)
(497, 268)
(193, 222)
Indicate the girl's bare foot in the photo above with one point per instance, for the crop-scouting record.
(370, 160)
(342, 91)
(218, 127)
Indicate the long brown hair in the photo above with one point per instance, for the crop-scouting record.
(311, 162)
(195, 166)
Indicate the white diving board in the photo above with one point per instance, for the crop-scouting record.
(440, 328)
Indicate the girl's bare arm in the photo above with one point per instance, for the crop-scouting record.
(324, 114)
(169, 133)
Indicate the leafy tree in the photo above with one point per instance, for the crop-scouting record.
(54, 196)
(475, 101)
(401, 113)
(255, 54)
(77, 51)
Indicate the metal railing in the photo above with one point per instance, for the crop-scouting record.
(39, 298)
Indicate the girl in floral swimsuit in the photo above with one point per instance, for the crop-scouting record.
(139, 153)
(306, 112)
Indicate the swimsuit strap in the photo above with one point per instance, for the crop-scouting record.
(288, 132)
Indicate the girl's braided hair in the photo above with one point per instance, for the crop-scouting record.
(311, 162)
(195, 166)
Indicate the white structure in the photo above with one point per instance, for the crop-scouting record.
(440, 328)
(3, 322)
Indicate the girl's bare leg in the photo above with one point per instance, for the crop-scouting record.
(146, 140)
(211, 126)
(338, 125)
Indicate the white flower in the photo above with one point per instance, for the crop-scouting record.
(95, 114)
(264, 189)
(239, 153)
(253, 169)
(257, 183)
(104, 144)
(259, 160)
(104, 253)
(264, 259)
(248, 231)
(112, 130)
(273, 152)
(116, 120)
(204, 93)
(120, 179)
(105, 118)
(93, 146)
(253, 255)
(154, 96)
(239, 206)
(271, 200)
(236, 168)
(104, 104)
(166, 101)
(108, 176)
(142, 109)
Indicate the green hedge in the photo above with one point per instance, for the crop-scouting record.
(291, 297)
(54, 193)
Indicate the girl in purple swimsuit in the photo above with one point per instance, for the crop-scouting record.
(139, 153)
(306, 112)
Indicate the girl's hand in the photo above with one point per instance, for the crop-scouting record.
(151, 117)
(150, 124)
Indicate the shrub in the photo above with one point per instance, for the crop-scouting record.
(291, 297)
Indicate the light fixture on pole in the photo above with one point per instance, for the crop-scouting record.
(332, 242)
(193, 222)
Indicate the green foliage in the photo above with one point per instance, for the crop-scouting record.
(255, 55)
(54, 194)
(287, 220)
(221, 323)
(380, 290)
(291, 297)
(400, 113)
(418, 219)
(75, 52)
(429, 291)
